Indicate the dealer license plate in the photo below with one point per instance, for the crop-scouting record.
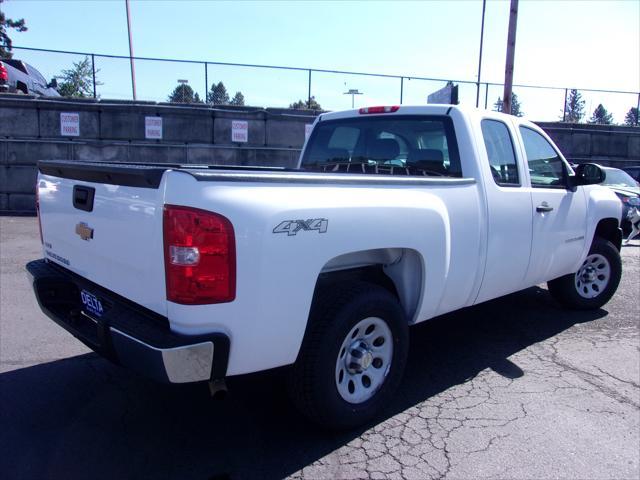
(92, 304)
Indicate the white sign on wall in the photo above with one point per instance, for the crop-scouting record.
(153, 128)
(307, 130)
(239, 131)
(69, 124)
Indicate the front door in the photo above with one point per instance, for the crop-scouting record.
(559, 214)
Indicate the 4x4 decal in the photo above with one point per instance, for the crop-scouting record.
(292, 227)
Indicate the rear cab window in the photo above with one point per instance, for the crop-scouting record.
(500, 153)
(416, 145)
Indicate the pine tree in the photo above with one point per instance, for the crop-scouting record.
(238, 99)
(183, 93)
(516, 107)
(631, 118)
(5, 41)
(601, 116)
(574, 107)
(218, 94)
(498, 106)
(311, 104)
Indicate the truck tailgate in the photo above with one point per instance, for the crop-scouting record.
(105, 224)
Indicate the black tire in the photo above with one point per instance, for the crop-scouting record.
(572, 294)
(312, 381)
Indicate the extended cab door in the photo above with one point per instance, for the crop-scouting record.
(508, 210)
(559, 214)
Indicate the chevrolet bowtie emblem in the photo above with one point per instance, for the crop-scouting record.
(85, 232)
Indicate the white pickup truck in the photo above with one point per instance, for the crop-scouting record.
(395, 215)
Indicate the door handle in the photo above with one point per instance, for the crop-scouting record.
(544, 207)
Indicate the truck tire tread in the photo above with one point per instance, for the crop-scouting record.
(304, 382)
(563, 289)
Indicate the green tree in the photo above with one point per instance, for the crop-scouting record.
(238, 99)
(218, 94)
(498, 105)
(77, 82)
(516, 107)
(5, 25)
(601, 116)
(183, 93)
(631, 118)
(311, 104)
(574, 107)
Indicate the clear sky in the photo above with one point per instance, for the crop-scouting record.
(583, 44)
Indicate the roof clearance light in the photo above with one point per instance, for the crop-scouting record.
(380, 109)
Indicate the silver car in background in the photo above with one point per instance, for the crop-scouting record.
(17, 76)
(627, 190)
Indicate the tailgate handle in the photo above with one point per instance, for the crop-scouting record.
(83, 197)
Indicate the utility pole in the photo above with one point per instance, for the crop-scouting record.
(133, 70)
(511, 50)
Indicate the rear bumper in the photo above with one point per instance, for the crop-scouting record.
(127, 333)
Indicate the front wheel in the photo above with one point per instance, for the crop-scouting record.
(594, 283)
(353, 355)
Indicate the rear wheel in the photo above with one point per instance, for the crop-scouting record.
(594, 283)
(353, 356)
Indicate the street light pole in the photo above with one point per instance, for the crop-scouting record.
(133, 70)
(353, 92)
(183, 84)
(484, 6)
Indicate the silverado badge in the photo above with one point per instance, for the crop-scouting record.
(84, 231)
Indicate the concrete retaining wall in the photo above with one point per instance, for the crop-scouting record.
(30, 130)
(609, 145)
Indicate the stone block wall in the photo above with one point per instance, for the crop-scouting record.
(30, 130)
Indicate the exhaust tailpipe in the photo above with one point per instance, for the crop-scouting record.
(218, 389)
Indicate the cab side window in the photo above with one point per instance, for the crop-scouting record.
(546, 168)
(500, 151)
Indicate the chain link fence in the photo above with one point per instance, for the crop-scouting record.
(280, 86)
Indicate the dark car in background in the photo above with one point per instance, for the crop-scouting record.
(627, 190)
(17, 76)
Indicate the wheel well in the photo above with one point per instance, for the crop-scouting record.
(398, 270)
(608, 229)
(371, 274)
(22, 87)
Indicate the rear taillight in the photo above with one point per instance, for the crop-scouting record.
(3, 73)
(199, 256)
(390, 109)
(38, 212)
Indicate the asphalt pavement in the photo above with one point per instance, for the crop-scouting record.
(516, 388)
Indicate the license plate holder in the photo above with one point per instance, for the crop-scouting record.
(92, 304)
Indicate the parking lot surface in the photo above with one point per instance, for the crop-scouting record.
(516, 388)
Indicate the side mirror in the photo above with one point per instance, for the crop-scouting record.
(589, 174)
(53, 83)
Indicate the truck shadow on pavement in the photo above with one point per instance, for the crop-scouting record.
(83, 417)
